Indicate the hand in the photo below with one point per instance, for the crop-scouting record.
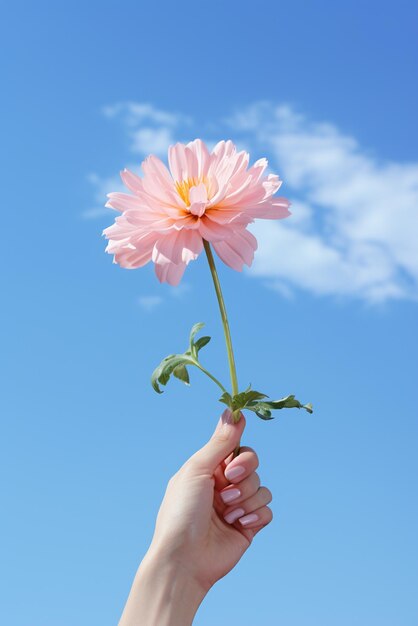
(212, 509)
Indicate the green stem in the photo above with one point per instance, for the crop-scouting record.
(205, 371)
(224, 316)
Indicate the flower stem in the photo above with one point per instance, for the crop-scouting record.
(205, 371)
(224, 316)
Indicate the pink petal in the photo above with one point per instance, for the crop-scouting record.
(229, 215)
(258, 168)
(237, 250)
(158, 183)
(177, 246)
(177, 160)
(272, 184)
(212, 231)
(198, 199)
(124, 201)
(170, 273)
(132, 181)
(271, 209)
(201, 158)
(133, 254)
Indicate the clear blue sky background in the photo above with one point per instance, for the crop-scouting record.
(86, 445)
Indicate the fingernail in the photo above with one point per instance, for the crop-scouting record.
(234, 515)
(234, 472)
(226, 417)
(249, 519)
(230, 495)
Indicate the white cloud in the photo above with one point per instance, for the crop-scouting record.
(149, 303)
(152, 140)
(354, 228)
(355, 225)
(102, 186)
(151, 130)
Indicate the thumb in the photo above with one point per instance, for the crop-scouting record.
(223, 441)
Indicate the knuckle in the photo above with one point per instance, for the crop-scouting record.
(255, 460)
(220, 437)
(267, 495)
(269, 514)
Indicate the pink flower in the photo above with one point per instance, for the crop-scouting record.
(210, 196)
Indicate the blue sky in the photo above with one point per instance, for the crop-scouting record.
(328, 311)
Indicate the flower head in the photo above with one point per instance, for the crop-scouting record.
(204, 195)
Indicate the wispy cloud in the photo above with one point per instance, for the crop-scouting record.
(102, 186)
(354, 228)
(149, 303)
(150, 129)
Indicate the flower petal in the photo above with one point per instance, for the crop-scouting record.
(132, 181)
(198, 199)
(177, 247)
(133, 253)
(177, 160)
(201, 158)
(158, 183)
(170, 273)
(271, 209)
(237, 250)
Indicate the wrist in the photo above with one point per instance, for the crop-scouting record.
(164, 593)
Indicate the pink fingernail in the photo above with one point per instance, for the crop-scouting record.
(230, 495)
(249, 519)
(226, 417)
(234, 472)
(234, 515)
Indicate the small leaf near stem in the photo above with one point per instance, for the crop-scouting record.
(260, 404)
(176, 364)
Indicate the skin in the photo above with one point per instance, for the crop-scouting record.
(193, 544)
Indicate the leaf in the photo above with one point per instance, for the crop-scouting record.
(290, 402)
(161, 374)
(194, 331)
(175, 364)
(241, 400)
(226, 398)
(263, 409)
(200, 343)
(181, 373)
(260, 404)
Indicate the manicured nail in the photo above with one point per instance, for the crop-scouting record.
(249, 519)
(230, 495)
(234, 515)
(226, 417)
(234, 472)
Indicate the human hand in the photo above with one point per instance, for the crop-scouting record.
(212, 509)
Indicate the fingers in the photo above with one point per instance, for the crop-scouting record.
(221, 444)
(242, 466)
(242, 491)
(251, 512)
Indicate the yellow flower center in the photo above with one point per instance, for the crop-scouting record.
(183, 187)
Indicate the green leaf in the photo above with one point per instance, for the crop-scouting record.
(200, 343)
(241, 400)
(290, 402)
(175, 364)
(181, 373)
(162, 373)
(194, 331)
(226, 398)
(263, 409)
